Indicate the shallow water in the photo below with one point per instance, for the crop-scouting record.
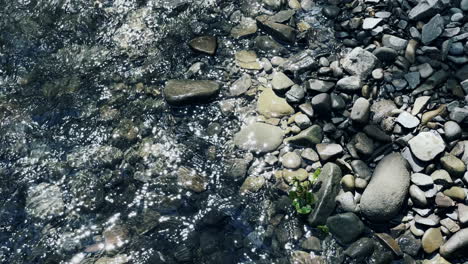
(81, 114)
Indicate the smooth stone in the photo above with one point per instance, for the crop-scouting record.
(463, 213)
(456, 193)
(455, 244)
(425, 70)
(464, 5)
(346, 202)
(183, 92)
(252, 184)
(347, 182)
(310, 154)
(419, 104)
(360, 111)
(416, 164)
(290, 175)
(295, 95)
(276, 30)
(312, 243)
(361, 170)
(407, 120)
(359, 62)
(394, 42)
(443, 201)
(331, 11)
(280, 81)
(204, 44)
(322, 104)
(385, 54)
(409, 244)
(382, 109)
(453, 165)
(427, 145)
(360, 249)
(437, 259)
(391, 243)
(302, 121)
(441, 176)
(319, 85)
(328, 151)
(376, 133)
(413, 79)
(247, 59)
(45, 201)
(349, 84)
(431, 220)
(190, 180)
(329, 182)
(417, 196)
(432, 240)
(307, 138)
(291, 160)
(451, 225)
(259, 137)
(424, 9)
(337, 102)
(418, 232)
(363, 144)
(346, 228)
(387, 190)
(241, 85)
(432, 29)
(246, 27)
(370, 23)
(270, 105)
(422, 180)
(452, 130)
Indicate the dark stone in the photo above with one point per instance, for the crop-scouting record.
(360, 249)
(385, 54)
(204, 44)
(345, 227)
(182, 92)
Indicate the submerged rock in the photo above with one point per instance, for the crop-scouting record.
(271, 105)
(259, 137)
(204, 44)
(45, 201)
(183, 92)
(345, 227)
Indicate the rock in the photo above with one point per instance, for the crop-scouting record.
(360, 111)
(418, 196)
(381, 109)
(45, 201)
(302, 257)
(296, 94)
(407, 120)
(453, 165)
(259, 137)
(370, 23)
(271, 105)
(428, 116)
(416, 164)
(413, 79)
(359, 62)
(118, 259)
(252, 184)
(291, 160)
(273, 4)
(346, 202)
(290, 175)
(459, 114)
(456, 193)
(452, 130)
(183, 92)
(451, 225)
(432, 29)
(327, 151)
(345, 227)
(441, 176)
(280, 81)
(349, 84)
(427, 145)
(241, 85)
(347, 182)
(329, 182)
(307, 138)
(376, 133)
(190, 180)
(331, 11)
(360, 249)
(247, 59)
(455, 244)
(387, 190)
(424, 9)
(321, 104)
(443, 201)
(463, 214)
(268, 45)
(246, 27)
(302, 121)
(422, 180)
(319, 85)
(312, 243)
(432, 240)
(361, 170)
(385, 54)
(337, 102)
(393, 42)
(431, 220)
(276, 30)
(409, 244)
(391, 243)
(310, 154)
(237, 168)
(363, 144)
(204, 44)
(419, 104)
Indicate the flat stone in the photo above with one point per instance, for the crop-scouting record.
(361, 170)
(360, 249)
(427, 145)
(346, 228)
(456, 193)
(270, 105)
(381, 109)
(432, 240)
(319, 85)
(453, 165)
(204, 44)
(407, 120)
(370, 23)
(310, 154)
(290, 175)
(463, 213)
(321, 104)
(443, 201)
(416, 164)
(441, 176)
(327, 151)
(360, 111)
(259, 137)
(437, 259)
(456, 243)
(183, 92)
(387, 190)
(391, 243)
(252, 184)
(394, 42)
(45, 201)
(246, 27)
(432, 29)
(431, 220)
(295, 95)
(417, 196)
(452, 130)
(307, 138)
(241, 85)
(422, 180)
(363, 144)
(424, 9)
(359, 62)
(312, 243)
(276, 30)
(280, 81)
(349, 84)
(268, 45)
(385, 54)
(409, 244)
(451, 225)
(419, 104)
(247, 59)
(376, 133)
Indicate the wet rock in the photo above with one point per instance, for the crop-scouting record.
(432, 29)
(273, 4)
(296, 94)
(259, 137)
(246, 27)
(329, 150)
(276, 30)
(441, 176)
(360, 249)
(370, 23)
(363, 144)
(302, 257)
(291, 160)
(456, 243)
(417, 196)
(191, 180)
(387, 190)
(452, 130)
(119, 259)
(329, 182)
(381, 109)
(280, 81)
(269, 45)
(183, 92)
(322, 104)
(359, 62)
(345, 227)
(331, 11)
(312, 243)
(419, 104)
(391, 243)
(376, 133)
(241, 85)
(361, 169)
(319, 85)
(453, 165)
(443, 201)
(290, 175)
(407, 120)
(431, 220)
(247, 59)
(237, 168)
(346, 202)
(310, 154)
(437, 259)
(463, 214)
(45, 201)
(427, 145)
(204, 44)
(456, 193)
(349, 84)
(451, 225)
(307, 138)
(360, 111)
(271, 105)
(432, 240)
(252, 184)
(302, 121)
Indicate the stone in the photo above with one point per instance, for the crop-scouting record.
(394, 42)
(45, 201)
(443, 201)
(310, 154)
(302, 121)
(391, 243)
(432, 240)
(347, 182)
(204, 44)
(361, 170)
(464, 5)
(291, 160)
(453, 165)
(422, 180)
(329, 182)
(183, 92)
(407, 120)
(295, 95)
(321, 104)
(459, 114)
(385, 54)
(455, 244)
(363, 144)
(431, 220)
(370, 23)
(247, 59)
(432, 29)
(237, 167)
(427, 145)
(276, 30)
(451, 225)
(319, 85)
(359, 62)
(413, 79)
(417, 196)
(416, 164)
(273, 4)
(280, 81)
(376, 133)
(463, 213)
(387, 190)
(241, 85)
(331, 11)
(346, 202)
(360, 111)
(312, 243)
(424, 9)
(419, 104)
(349, 84)
(290, 175)
(441, 176)
(381, 109)
(452, 130)
(360, 249)
(346, 228)
(252, 184)
(270, 105)
(190, 180)
(456, 193)
(307, 138)
(337, 102)
(259, 137)
(328, 151)
(246, 27)
(409, 244)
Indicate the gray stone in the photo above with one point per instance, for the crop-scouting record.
(346, 202)
(296, 94)
(409, 244)
(407, 120)
(359, 62)
(280, 81)
(241, 85)
(463, 213)
(276, 30)
(322, 104)
(45, 201)
(204, 44)
(452, 130)
(360, 111)
(259, 137)
(337, 101)
(361, 170)
(271, 105)
(307, 138)
(252, 184)
(319, 85)
(432, 240)
(312, 243)
(345, 227)
(291, 160)
(419, 104)
(432, 29)
(385, 54)
(417, 196)
(387, 190)
(190, 180)
(376, 133)
(381, 109)
(427, 145)
(349, 84)
(422, 180)
(328, 151)
(246, 27)
(310, 154)
(360, 249)
(456, 243)
(425, 70)
(182, 92)
(363, 144)
(459, 114)
(413, 79)
(464, 5)
(453, 165)
(329, 182)
(424, 9)
(302, 121)
(370, 23)
(393, 42)
(431, 220)
(441, 177)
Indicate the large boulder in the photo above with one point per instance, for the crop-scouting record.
(387, 190)
(183, 92)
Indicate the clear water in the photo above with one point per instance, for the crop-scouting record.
(81, 110)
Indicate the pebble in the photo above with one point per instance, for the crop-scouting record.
(394, 42)
(456, 193)
(328, 151)
(241, 85)
(359, 62)
(407, 120)
(432, 240)
(346, 228)
(291, 160)
(302, 120)
(452, 130)
(349, 84)
(422, 180)
(204, 44)
(247, 59)
(456, 242)
(419, 104)
(183, 92)
(432, 29)
(280, 81)
(271, 105)
(259, 137)
(310, 154)
(360, 111)
(347, 182)
(307, 138)
(427, 145)
(319, 85)
(418, 196)
(453, 165)
(385, 54)
(321, 104)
